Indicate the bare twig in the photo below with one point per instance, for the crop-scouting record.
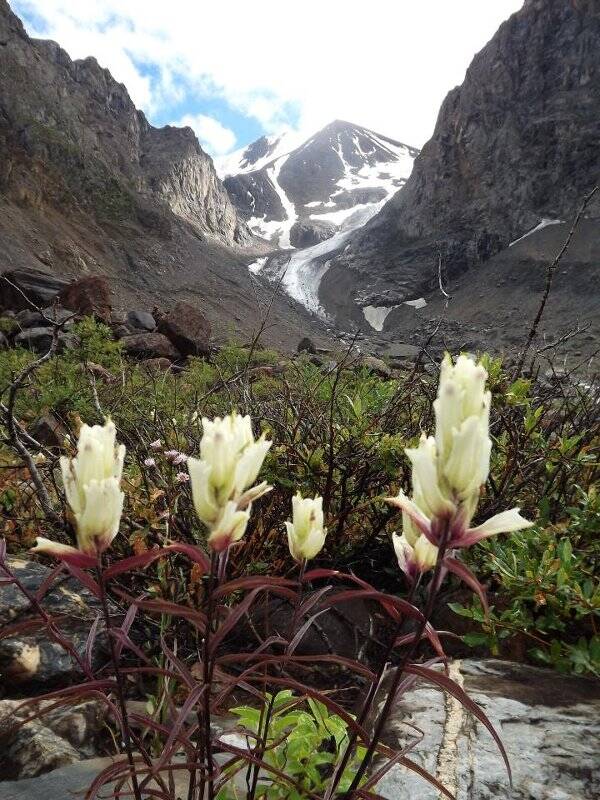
(14, 432)
(549, 277)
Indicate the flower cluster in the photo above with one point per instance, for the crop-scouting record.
(448, 472)
(92, 482)
(222, 478)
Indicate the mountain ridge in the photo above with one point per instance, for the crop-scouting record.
(517, 142)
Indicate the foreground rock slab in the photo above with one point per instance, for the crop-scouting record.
(549, 724)
(57, 738)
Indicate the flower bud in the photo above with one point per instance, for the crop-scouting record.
(306, 534)
(417, 558)
(230, 527)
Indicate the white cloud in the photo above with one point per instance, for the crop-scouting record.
(213, 136)
(380, 64)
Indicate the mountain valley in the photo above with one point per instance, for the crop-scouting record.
(349, 231)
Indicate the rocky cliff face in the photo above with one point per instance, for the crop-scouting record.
(518, 143)
(88, 187)
(70, 133)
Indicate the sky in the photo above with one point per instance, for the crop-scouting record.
(234, 70)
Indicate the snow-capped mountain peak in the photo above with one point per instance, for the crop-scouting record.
(299, 196)
(257, 154)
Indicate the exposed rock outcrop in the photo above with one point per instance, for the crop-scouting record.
(310, 232)
(149, 345)
(89, 296)
(21, 287)
(549, 725)
(59, 737)
(76, 119)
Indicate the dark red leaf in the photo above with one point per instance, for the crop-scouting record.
(191, 700)
(237, 612)
(179, 665)
(134, 562)
(253, 582)
(84, 579)
(385, 600)
(48, 581)
(89, 645)
(194, 553)
(317, 574)
(464, 573)
(126, 625)
(27, 625)
(311, 601)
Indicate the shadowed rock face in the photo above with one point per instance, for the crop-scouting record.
(516, 143)
(80, 122)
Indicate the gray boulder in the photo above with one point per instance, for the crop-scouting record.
(33, 658)
(308, 232)
(39, 340)
(29, 319)
(187, 328)
(141, 320)
(59, 737)
(18, 286)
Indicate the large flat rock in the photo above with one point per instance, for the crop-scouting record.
(549, 724)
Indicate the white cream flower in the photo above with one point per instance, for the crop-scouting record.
(449, 470)
(230, 461)
(229, 528)
(92, 482)
(462, 412)
(306, 533)
(414, 558)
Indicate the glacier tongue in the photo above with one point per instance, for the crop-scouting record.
(302, 272)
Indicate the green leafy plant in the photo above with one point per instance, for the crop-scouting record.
(547, 585)
(305, 741)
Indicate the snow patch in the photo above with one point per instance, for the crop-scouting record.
(420, 302)
(377, 315)
(543, 224)
(304, 269)
(235, 163)
(288, 207)
(256, 267)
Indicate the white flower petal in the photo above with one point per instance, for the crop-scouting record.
(505, 522)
